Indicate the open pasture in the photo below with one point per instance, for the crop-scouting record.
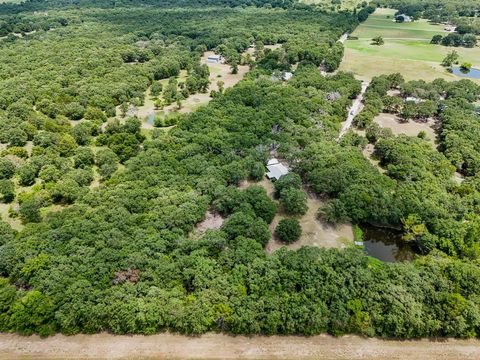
(407, 49)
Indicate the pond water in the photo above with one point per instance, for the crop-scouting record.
(386, 244)
(472, 74)
(151, 118)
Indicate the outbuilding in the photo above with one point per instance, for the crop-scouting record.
(276, 169)
(286, 75)
(214, 59)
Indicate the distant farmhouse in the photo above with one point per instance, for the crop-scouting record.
(217, 59)
(275, 169)
(450, 28)
(403, 18)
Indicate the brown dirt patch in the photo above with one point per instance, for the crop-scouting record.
(411, 128)
(213, 221)
(15, 223)
(219, 346)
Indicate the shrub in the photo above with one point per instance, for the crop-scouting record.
(288, 230)
(294, 201)
(7, 169)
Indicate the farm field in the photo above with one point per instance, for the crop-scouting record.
(407, 49)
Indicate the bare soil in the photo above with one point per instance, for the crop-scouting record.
(213, 221)
(218, 346)
(410, 128)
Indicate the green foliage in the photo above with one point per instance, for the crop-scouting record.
(242, 224)
(450, 59)
(120, 257)
(294, 201)
(7, 191)
(378, 40)
(291, 180)
(288, 230)
(7, 168)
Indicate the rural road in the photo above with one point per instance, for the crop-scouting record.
(218, 346)
(343, 38)
(353, 111)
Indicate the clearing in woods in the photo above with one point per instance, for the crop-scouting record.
(409, 128)
(218, 72)
(407, 49)
(314, 231)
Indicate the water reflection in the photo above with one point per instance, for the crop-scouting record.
(472, 73)
(386, 244)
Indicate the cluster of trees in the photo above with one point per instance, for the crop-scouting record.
(14, 24)
(416, 100)
(453, 11)
(455, 39)
(139, 220)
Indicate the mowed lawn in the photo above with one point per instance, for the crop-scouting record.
(407, 49)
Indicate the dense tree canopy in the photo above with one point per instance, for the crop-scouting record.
(109, 209)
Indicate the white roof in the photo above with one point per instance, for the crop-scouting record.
(214, 56)
(276, 171)
(272, 161)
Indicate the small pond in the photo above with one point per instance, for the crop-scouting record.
(472, 73)
(151, 118)
(386, 244)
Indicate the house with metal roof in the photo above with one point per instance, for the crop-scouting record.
(276, 169)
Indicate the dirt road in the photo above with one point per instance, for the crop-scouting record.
(353, 111)
(343, 38)
(215, 346)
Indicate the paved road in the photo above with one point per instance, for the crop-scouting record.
(353, 111)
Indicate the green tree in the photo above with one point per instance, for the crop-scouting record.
(378, 40)
(290, 180)
(436, 39)
(451, 58)
(27, 174)
(17, 137)
(294, 201)
(7, 168)
(33, 313)
(83, 158)
(156, 89)
(7, 191)
(288, 230)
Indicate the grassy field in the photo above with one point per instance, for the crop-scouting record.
(407, 49)
(344, 4)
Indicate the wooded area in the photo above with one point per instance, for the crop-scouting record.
(107, 209)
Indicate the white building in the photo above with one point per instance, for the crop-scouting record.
(276, 170)
(214, 59)
(286, 75)
(403, 18)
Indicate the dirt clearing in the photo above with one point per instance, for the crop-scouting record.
(218, 346)
(410, 128)
(314, 232)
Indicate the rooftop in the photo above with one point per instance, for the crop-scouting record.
(275, 169)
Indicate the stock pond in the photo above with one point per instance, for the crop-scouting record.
(386, 244)
(471, 74)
